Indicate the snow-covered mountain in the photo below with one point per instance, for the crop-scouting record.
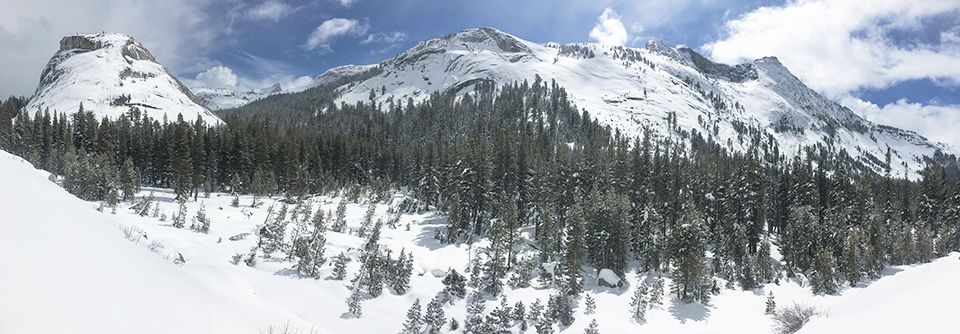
(657, 86)
(110, 74)
(226, 98)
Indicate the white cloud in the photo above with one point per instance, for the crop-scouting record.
(346, 3)
(937, 123)
(217, 76)
(330, 30)
(270, 10)
(839, 46)
(389, 38)
(609, 30)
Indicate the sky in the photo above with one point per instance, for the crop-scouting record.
(895, 62)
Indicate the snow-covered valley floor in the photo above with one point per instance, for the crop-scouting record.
(66, 267)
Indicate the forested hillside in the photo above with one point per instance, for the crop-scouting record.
(518, 156)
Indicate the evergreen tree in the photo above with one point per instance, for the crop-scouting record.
(200, 222)
(639, 303)
(434, 318)
(656, 293)
(593, 328)
(367, 222)
(853, 258)
(771, 305)
(687, 244)
(591, 305)
(822, 280)
(353, 304)
(455, 284)
(404, 269)
(414, 320)
(180, 218)
(340, 224)
(340, 266)
(575, 250)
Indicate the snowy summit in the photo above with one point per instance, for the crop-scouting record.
(112, 74)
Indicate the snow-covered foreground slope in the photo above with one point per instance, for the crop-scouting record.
(66, 267)
(109, 74)
(920, 299)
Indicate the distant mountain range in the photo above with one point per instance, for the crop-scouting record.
(674, 91)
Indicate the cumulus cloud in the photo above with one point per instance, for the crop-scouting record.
(840, 46)
(609, 29)
(937, 123)
(217, 76)
(330, 30)
(270, 10)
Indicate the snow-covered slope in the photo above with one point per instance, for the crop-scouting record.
(226, 98)
(67, 268)
(110, 74)
(630, 88)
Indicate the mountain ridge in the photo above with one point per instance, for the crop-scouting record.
(632, 88)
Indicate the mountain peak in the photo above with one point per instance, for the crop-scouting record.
(112, 74)
(491, 37)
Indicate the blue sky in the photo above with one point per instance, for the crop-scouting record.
(893, 61)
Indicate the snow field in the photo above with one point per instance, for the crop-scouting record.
(66, 267)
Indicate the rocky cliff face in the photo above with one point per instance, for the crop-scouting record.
(111, 74)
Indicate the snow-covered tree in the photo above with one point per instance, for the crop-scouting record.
(200, 222)
(590, 303)
(434, 318)
(455, 284)
(771, 304)
(593, 328)
(414, 320)
(639, 303)
(340, 223)
(340, 266)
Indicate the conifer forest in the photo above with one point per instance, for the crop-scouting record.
(519, 156)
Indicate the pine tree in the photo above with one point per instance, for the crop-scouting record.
(656, 293)
(367, 222)
(853, 258)
(353, 304)
(434, 318)
(340, 266)
(180, 218)
(591, 305)
(340, 224)
(535, 310)
(200, 222)
(691, 277)
(822, 280)
(638, 304)
(519, 312)
(414, 321)
(771, 305)
(593, 328)
(575, 250)
(455, 284)
(404, 269)
(544, 325)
